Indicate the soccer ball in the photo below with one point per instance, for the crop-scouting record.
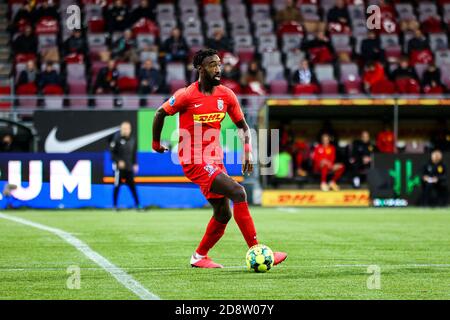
(259, 258)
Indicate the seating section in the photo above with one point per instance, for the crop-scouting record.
(254, 30)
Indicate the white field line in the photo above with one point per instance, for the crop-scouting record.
(121, 276)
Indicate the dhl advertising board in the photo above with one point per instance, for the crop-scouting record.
(315, 198)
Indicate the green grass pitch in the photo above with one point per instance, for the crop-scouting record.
(329, 254)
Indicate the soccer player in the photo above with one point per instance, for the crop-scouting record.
(202, 106)
(324, 157)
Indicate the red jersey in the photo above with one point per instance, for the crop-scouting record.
(199, 121)
(385, 142)
(324, 153)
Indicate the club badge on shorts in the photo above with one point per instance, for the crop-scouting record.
(210, 169)
(220, 104)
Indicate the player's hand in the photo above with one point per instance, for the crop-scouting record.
(158, 147)
(121, 164)
(247, 163)
(135, 168)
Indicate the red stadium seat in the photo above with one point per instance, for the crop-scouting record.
(421, 56)
(176, 84)
(334, 28)
(233, 85)
(52, 89)
(407, 86)
(320, 55)
(433, 90)
(96, 25)
(47, 26)
(127, 84)
(383, 87)
(305, 89)
(145, 26)
(27, 89)
(352, 87)
(24, 57)
(74, 58)
(290, 27)
(432, 25)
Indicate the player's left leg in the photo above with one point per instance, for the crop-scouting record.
(117, 182)
(214, 231)
(338, 170)
(225, 185)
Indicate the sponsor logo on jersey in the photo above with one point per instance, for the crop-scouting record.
(209, 117)
(220, 104)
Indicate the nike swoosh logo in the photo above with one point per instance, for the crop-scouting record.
(53, 145)
(197, 105)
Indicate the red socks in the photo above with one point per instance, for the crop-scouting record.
(245, 222)
(338, 173)
(324, 174)
(214, 231)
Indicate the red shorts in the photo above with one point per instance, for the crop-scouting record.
(203, 175)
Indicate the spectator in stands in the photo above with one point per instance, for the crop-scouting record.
(7, 143)
(385, 140)
(404, 70)
(361, 157)
(304, 74)
(339, 13)
(434, 182)
(371, 48)
(418, 42)
(319, 48)
(230, 72)
(253, 79)
(289, 13)
(49, 77)
(29, 75)
(175, 47)
(432, 77)
(125, 48)
(107, 77)
(26, 13)
(47, 9)
(149, 78)
(26, 42)
(324, 162)
(75, 44)
(373, 73)
(116, 17)
(143, 10)
(219, 41)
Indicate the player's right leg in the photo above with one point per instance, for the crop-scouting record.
(214, 231)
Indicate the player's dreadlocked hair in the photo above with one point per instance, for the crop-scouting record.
(201, 55)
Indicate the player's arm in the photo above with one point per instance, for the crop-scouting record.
(175, 104)
(246, 139)
(158, 124)
(237, 116)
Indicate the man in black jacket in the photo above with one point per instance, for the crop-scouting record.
(361, 158)
(434, 181)
(123, 154)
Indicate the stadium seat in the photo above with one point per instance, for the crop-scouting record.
(176, 84)
(407, 86)
(383, 87)
(279, 86)
(305, 89)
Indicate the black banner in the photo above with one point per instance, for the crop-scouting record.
(69, 131)
(399, 177)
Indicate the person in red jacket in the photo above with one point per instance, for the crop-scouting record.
(324, 161)
(385, 140)
(373, 73)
